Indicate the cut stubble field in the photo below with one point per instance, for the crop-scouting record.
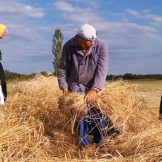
(149, 89)
(36, 123)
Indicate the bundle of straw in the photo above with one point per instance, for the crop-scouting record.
(35, 124)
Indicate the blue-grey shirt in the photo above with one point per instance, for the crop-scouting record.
(86, 71)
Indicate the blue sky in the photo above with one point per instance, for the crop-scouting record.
(132, 29)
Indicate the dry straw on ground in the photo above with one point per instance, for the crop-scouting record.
(36, 124)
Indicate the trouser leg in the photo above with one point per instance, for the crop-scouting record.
(97, 137)
(83, 132)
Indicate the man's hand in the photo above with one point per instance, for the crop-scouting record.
(90, 96)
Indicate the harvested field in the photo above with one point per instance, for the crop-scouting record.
(37, 122)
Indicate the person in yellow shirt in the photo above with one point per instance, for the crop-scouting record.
(3, 30)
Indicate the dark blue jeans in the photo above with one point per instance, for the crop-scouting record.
(92, 124)
(84, 131)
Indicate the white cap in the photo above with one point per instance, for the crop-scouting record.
(87, 32)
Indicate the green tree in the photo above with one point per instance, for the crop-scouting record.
(57, 49)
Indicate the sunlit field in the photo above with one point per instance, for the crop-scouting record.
(150, 89)
(37, 123)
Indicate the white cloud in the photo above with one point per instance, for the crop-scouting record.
(12, 8)
(145, 14)
(133, 13)
(85, 3)
(67, 7)
(77, 14)
(154, 18)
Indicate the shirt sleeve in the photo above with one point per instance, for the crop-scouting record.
(102, 69)
(62, 70)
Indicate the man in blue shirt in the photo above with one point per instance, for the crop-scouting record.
(84, 64)
(83, 69)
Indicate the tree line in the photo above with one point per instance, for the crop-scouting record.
(128, 76)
